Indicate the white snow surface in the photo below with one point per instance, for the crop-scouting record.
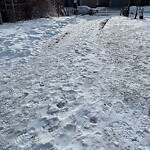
(75, 83)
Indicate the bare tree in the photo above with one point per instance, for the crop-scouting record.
(38, 8)
(58, 7)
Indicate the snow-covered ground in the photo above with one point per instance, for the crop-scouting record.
(74, 84)
(26, 38)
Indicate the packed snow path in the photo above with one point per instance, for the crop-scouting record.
(88, 89)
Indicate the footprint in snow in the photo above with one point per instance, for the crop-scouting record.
(46, 146)
(109, 133)
(61, 104)
(118, 107)
(52, 110)
(93, 119)
(122, 129)
(25, 138)
(70, 128)
(51, 124)
(62, 140)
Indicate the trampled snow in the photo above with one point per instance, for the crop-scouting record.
(75, 83)
(26, 38)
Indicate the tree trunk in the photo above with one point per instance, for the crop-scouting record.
(58, 7)
(6, 8)
(1, 22)
(13, 9)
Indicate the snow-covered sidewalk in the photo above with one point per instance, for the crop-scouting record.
(86, 89)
